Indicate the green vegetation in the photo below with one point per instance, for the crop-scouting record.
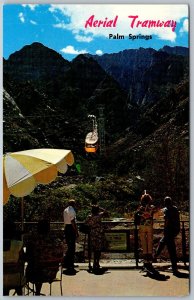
(117, 189)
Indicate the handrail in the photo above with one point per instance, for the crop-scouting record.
(129, 225)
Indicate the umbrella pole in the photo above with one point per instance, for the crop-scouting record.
(22, 215)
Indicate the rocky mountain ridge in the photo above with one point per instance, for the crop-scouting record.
(43, 83)
(53, 104)
(35, 62)
(47, 101)
(144, 73)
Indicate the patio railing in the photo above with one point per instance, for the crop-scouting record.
(122, 238)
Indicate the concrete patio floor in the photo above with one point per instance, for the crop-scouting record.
(118, 282)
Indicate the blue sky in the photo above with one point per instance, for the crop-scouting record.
(62, 27)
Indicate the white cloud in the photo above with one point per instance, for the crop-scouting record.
(76, 16)
(33, 22)
(52, 8)
(31, 6)
(71, 50)
(60, 25)
(99, 52)
(185, 27)
(83, 38)
(165, 35)
(21, 17)
(78, 37)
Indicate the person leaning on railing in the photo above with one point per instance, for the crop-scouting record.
(144, 218)
(97, 235)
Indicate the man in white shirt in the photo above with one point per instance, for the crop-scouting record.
(71, 233)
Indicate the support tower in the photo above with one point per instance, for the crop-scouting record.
(101, 129)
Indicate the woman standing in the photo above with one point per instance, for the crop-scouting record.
(94, 221)
(145, 214)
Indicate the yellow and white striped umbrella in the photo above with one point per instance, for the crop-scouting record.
(23, 170)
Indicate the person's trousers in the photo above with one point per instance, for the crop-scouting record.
(70, 237)
(146, 238)
(168, 240)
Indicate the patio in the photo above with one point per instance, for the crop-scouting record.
(120, 281)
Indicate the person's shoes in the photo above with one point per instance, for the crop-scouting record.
(180, 274)
(70, 272)
(150, 268)
(99, 271)
(175, 272)
(104, 269)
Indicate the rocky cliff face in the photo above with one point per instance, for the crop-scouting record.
(17, 129)
(146, 74)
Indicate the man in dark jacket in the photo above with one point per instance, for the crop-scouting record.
(171, 230)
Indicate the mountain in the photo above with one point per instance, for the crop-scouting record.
(145, 98)
(58, 105)
(146, 74)
(156, 148)
(177, 50)
(17, 130)
(56, 96)
(34, 62)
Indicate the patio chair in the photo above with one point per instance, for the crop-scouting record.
(51, 267)
(13, 277)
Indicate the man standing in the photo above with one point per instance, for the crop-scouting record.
(71, 233)
(171, 230)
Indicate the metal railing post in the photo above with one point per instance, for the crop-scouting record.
(184, 252)
(136, 246)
